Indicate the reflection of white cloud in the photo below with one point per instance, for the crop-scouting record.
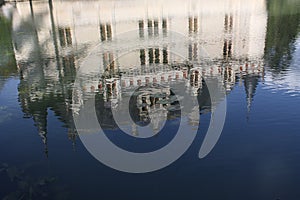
(5, 115)
(288, 80)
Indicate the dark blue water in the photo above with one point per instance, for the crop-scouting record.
(257, 155)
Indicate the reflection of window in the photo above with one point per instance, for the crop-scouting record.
(193, 51)
(142, 56)
(195, 79)
(69, 65)
(227, 48)
(193, 24)
(65, 36)
(108, 62)
(153, 27)
(105, 32)
(150, 30)
(228, 23)
(164, 26)
(154, 55)
(141, 28)
(165, 55)
(151, 55)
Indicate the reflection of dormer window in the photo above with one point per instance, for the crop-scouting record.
(65, 36)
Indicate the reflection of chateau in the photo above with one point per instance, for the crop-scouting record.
(140, 44)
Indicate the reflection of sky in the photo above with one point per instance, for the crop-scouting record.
(8, 95)
(289, 80)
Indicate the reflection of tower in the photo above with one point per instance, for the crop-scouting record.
(250, 83)
(40, 121)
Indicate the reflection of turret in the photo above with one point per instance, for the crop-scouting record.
(250, 83)
(40, 121)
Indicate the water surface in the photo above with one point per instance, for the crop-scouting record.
(251, 47)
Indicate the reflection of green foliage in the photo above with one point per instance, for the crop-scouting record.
(29, 187)
(7, 57)
(282, 30)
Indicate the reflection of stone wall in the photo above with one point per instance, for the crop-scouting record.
(54, 41)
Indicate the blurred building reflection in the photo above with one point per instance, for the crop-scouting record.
(228, 39)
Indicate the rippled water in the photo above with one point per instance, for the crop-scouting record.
(131, 59)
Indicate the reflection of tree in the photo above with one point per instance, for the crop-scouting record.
(7, 57)
(38, 93)
(282, 29)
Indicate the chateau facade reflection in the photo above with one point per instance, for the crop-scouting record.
(164, 44)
